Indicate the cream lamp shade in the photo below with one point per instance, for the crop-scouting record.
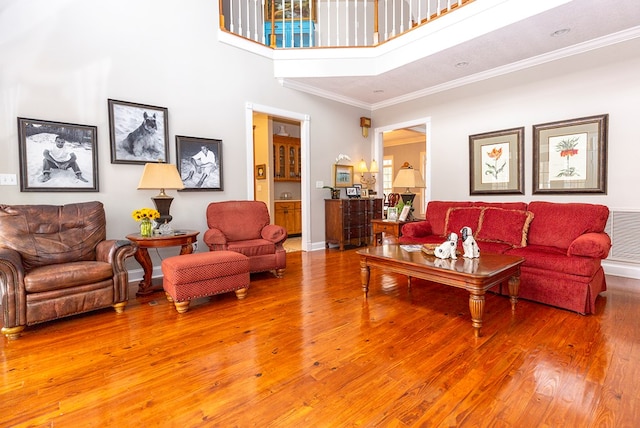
(408, 178)
(161, 176)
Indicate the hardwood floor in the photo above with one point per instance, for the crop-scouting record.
(308, 351)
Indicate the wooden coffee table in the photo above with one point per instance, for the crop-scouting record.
(474, 275)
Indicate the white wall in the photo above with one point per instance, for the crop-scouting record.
(61, 60)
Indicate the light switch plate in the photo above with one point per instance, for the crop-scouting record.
(8, 180)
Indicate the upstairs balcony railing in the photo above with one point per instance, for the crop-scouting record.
(328, 23)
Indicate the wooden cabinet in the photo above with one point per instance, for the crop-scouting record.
(286, 158)
(289, 216)
(348, 221)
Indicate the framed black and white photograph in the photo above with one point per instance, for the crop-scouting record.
(570, 156)
(199, 163)
(496, 162)
(58, 157)
(139, 133)
(352, 192)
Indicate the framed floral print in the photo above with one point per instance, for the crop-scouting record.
(496, 162)
(570, 156)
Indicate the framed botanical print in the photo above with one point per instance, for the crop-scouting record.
(57, 157)
(496, 162)
(570, 156)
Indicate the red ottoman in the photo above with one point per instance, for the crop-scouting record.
(190, 276)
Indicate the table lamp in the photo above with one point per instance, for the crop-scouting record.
(408, 177)
(161, 176)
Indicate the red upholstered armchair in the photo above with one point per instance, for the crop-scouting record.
(55, 261)
(244, 227)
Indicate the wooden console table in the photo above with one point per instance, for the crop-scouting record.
(380, 226)
(184, 239)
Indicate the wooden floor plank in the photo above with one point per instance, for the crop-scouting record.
(308, 350)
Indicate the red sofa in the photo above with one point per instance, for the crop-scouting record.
(562, 244)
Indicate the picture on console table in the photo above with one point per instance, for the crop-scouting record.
(342, 176)
(57, 157)
(570, 156)
(496, 162)
(199, 163)
(139, 133)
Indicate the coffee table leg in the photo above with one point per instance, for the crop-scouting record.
(476, 306)
(364, 276)
(514, 289)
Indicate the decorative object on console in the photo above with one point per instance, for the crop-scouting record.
(408, 178)
(570, 156)
(368, 183)
(145, 216)
(335, 193)
(469, 244)
(342, 176)
(496, 162)
(447, 250)
(161, 176)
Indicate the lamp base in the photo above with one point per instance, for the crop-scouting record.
(407, 198)
(163, 203)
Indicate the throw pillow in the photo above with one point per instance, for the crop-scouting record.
(508, 226)
(457, 218)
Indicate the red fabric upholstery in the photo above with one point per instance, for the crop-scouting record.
(563, 246)
(507, 226)
(457, 218)
(557, 225)
(244, 227)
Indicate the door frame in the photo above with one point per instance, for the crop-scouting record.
(305, 188)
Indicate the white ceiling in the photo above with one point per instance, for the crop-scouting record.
(592, 24)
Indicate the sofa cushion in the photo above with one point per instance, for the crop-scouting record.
(508, 226)
(437, 214)
(522, 206)
(558, 225)
(556, 260)
(457, 218)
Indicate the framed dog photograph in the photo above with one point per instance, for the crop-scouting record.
(139, 133)
(58, 157)
(199, 163)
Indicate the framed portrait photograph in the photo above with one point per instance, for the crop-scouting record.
(342, 176)
(261, 171)
(392, 214)
(496, 162)
(570, 156)
(199, 163)
(406, 210)
(58, 157)
(139, 133)
(352, 192)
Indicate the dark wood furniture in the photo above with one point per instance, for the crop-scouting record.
(183, 239)
(474, 275)
(348, 221)
(388, 227)
(286, 158)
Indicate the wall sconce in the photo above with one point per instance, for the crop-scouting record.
(365, 124)
(161, 176)
(362, 169)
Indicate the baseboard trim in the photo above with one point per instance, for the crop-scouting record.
(624, 270)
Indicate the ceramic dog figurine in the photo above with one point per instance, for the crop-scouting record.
(469, 245)
(447, 249)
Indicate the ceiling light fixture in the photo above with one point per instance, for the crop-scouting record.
(560, 32)
(462, 64)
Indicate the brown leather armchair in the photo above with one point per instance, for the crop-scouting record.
(55, 261)
(244, 227)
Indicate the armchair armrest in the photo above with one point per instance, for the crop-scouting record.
(215, 239)
(417, 229)
(114, 252)
(14, 299)
(594, 244)
(274, 233)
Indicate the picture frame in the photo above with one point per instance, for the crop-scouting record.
(392, 214)
(261, 171)
(352, 192)
(139, 133)
(358, 190)
(405, 213)
(46, 166)
(496, 162)
(199, 162)
(342, 176)
(365, 193)
(570, 156)
(290, 9)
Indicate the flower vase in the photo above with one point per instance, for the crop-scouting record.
(145, 228)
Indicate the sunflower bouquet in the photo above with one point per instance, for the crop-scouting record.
(144, 216)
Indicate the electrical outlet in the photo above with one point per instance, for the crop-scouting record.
(319, 184)
(8, 180)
